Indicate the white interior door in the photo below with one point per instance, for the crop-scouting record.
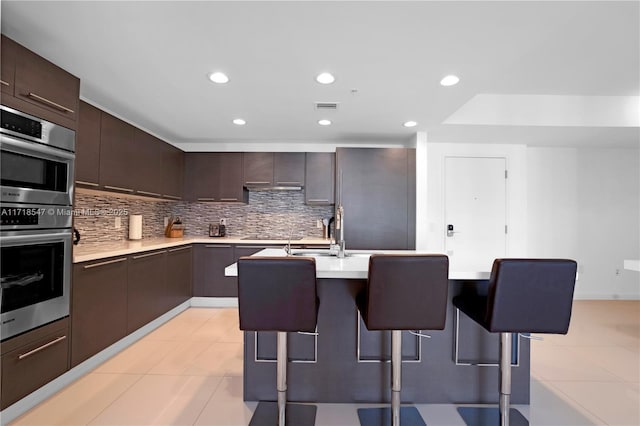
(475, 211)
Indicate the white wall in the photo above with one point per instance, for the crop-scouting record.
(584, 204)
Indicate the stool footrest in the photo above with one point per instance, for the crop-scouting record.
(266, 414)
(490, 416)
(409, 416)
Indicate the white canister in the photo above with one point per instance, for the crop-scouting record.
(135, 227)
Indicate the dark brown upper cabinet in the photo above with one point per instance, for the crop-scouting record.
(173, 176)
(378, 195)
(320, 178)
(118, 155)
(45, 89)
(148, 173)
(38, 87)
(214, 176)
(274, 169)
(7, 76)
(87, 164)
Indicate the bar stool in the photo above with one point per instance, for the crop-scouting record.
(279, 294)
(525, 296)
(403, 292)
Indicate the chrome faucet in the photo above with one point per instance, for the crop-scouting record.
(340, 226)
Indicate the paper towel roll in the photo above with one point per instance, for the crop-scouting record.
(135, 227)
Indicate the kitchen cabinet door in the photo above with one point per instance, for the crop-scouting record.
(230, 185)
(118, 161)
(8, 51)
(173, 166)
(87, 163)
(52, 93)
(376, 195)
(319, 179)
(33, 359)
(289, 168)
(200, 176)
(209, 261)
(146, 288)
(147, 175)
(98, 307)
(179, 273)
(258, 168)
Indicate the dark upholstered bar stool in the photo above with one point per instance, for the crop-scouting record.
(525, 296)
(404, 292)
(279, 294)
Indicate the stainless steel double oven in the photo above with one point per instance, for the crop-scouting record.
(36, 168)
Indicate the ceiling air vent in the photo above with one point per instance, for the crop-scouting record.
(327, 105)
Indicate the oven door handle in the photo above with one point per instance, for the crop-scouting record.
(26, 147)
(44, 237)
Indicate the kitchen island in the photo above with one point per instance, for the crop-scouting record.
(347, 363)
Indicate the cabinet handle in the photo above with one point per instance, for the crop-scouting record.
(205, 199)
(155, 194)
(217, 246)
(173, 197)
(4, 83)
(284, 182)
(50, 103)
(178, 249)
(317, 200)
(117, 188)
(81, 182)
(257, 183)
(108, 262)
(258, 247)
(228, 199)
(140, 256)
(40, 348)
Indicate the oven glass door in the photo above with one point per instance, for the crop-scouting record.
(33, 173)
(35, 280)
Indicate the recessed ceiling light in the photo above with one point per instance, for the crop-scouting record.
(218, 77)
(324, 122)
(410, 124)
(325, 78)
(450, 80)
(239, 122)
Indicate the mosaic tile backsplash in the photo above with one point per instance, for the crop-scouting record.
(272, 214)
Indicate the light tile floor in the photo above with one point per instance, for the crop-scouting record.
(189, 372)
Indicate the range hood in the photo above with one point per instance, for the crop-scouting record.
(280, 186)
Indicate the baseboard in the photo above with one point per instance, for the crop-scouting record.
(606, 296)
(28, 402)
(214, 302)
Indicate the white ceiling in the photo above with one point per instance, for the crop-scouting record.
(148, 62)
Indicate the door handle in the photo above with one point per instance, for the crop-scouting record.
(450, 231)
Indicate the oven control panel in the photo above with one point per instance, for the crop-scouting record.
(20, 215)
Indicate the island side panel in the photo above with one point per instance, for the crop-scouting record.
(337, 375)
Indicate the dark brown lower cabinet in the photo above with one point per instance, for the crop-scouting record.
(99, 306)
(179, 271)
(147, 281)
(209, 261)
(33, 359)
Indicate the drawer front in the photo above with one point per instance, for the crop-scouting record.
(29, 367)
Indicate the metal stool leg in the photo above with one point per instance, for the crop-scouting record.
(394, 415)
(396, 375)
(481, 416)
(505, 377)
(281, 373)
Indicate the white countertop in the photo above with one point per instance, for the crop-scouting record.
(632, 264)
(355, 266)
(93, 251)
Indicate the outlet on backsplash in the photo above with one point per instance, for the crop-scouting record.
(117, 222)
(165, 222)
(319, 223)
